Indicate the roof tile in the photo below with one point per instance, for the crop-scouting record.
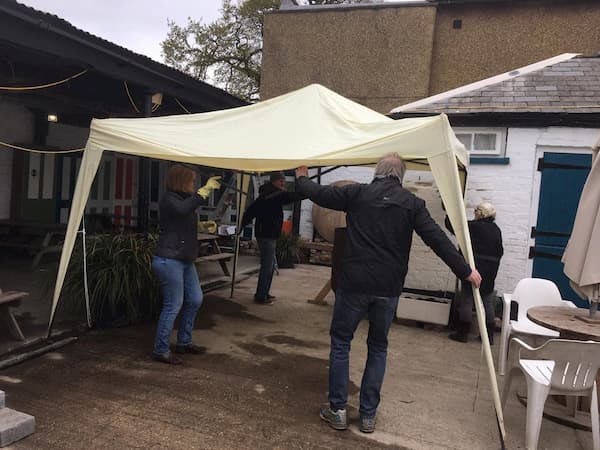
(569, 86)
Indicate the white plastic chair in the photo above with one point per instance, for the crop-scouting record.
(529, 292)
(558, 367)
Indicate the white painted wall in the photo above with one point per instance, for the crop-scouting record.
(512, 188)
(16, 127)
(515, 188)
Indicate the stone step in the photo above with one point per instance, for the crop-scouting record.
(14, 426)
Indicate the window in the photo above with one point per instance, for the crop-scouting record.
(488, 142)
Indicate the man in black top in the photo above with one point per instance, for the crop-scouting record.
(381, 217)
(268, 211)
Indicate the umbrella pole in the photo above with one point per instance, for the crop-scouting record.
(594, 301)
(240, 184)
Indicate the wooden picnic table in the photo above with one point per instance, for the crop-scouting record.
(215, 254)
(564, 320)
(10, 299)
(35, 237)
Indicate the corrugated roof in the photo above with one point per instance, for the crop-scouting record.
(568, 86)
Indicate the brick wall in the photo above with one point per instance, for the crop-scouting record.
(512, 188)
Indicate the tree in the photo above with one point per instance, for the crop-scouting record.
(332, 2)
(227, 52)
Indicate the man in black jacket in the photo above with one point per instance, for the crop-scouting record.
(381, 217)
(268, 211)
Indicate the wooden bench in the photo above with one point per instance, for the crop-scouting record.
(222, 258)
(9, 299)
(217, 255)
(38, 239)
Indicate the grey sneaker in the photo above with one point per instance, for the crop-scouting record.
(367, 424)
(336, 419)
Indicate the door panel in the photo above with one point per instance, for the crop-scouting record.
(563, 177)
(38, 204)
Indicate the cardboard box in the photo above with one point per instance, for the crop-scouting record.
(226, 230)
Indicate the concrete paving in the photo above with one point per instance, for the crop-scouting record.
(261, 384)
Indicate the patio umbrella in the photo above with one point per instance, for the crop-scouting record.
(582, 254)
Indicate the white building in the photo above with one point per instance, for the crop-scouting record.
(530, 133)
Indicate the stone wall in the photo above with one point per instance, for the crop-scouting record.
(379, 57)
(391, 54)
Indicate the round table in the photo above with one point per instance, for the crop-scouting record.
(564, 320)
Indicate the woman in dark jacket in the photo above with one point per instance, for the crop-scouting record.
(173, 262)
(486, 239)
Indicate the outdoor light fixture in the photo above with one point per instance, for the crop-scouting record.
(52, 118)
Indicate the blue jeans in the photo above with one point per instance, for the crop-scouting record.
(181, 290)
(267, 266)
(348, 311)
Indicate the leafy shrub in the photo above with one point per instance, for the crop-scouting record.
(121, 284)
(287, 250)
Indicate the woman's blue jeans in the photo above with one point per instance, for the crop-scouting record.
(181, 290)
(348, 311)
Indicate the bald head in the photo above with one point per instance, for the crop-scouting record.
(391, 165)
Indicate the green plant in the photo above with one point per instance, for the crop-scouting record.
(287, 250)
(120, 280)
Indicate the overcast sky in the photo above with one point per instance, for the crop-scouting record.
(139, 25)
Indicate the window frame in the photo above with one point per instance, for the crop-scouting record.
(498, 152)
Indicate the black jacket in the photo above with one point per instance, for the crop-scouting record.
(268, 211)
(381, 218)
(177, 238)
(486, 240)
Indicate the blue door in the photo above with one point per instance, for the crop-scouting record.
(563, 177)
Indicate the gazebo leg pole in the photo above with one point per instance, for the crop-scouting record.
(320, 298)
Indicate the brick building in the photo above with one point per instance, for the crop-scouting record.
(389, 54)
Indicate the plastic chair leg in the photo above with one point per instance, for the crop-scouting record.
(503, 353)
(536, 399)
(595, 419)
(506, 388)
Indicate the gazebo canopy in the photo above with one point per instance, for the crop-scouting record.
(312, 126)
